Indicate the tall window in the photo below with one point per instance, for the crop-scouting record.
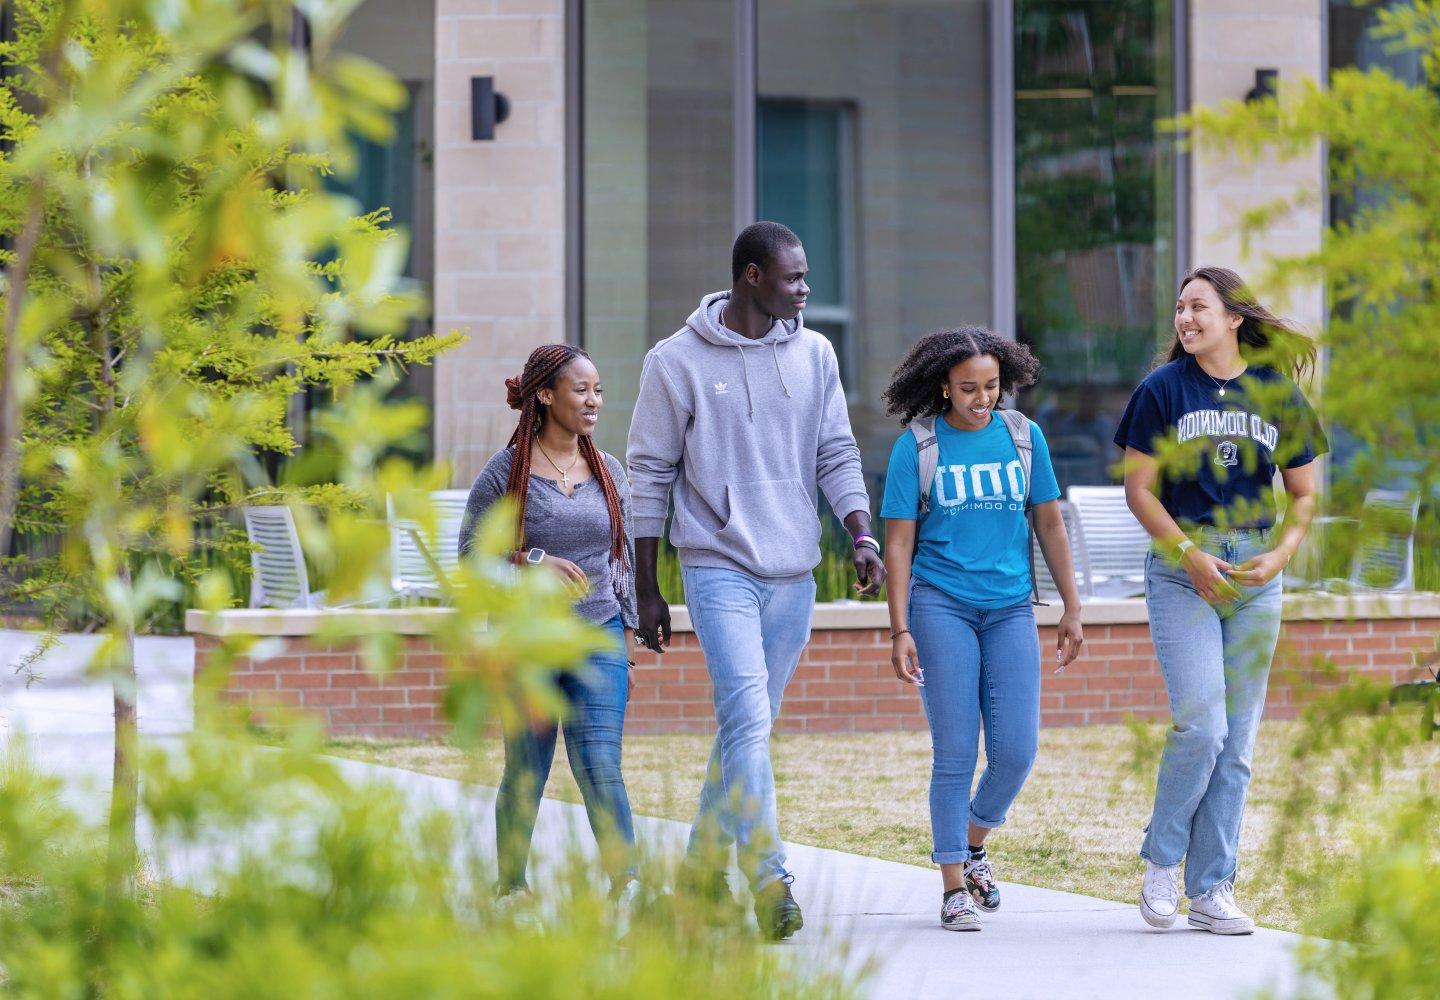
(658, 180)
(805, 180)
(1095, 215)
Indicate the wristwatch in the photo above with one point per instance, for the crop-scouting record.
(535, 556)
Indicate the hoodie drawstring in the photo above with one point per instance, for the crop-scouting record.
(744, 365)
(775, 352)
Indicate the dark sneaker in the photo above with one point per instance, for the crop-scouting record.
(981, 884)
(957, 913)
(708, 885)
(776, 911)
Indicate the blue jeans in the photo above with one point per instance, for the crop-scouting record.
(752, 634)
(596, 697)
(1216, 662)
(979, 665)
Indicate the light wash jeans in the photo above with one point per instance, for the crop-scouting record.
(594, 723)
(979, 665)
(1216, 662)
(752, 634)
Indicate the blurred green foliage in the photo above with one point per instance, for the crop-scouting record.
(273, 875)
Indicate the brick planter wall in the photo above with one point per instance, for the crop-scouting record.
(844, 682)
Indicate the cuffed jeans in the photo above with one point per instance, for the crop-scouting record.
(979, 665)
(1216, 662)
(752, 634)
(596, 697)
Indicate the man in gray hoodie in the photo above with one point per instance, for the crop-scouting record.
(741, 415)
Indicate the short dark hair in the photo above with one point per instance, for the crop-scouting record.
(914, 389)
(757, 244)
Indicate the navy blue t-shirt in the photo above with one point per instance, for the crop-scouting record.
(1220, 453)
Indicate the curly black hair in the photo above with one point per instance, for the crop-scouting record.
(914, 389)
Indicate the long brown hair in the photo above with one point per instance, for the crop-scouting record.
(1264, 337)
(522, 392)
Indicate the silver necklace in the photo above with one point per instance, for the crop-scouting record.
(1218, 384)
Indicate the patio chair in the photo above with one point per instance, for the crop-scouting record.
(1079, 555)
(416, 561)
(278, 578)
(1384, 560)
(1115, 541)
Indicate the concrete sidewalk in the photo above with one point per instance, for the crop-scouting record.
(861, 913)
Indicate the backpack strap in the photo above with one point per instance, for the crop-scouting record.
(1019, 427)
(927, 457)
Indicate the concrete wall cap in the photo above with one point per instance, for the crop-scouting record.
(1305, 606)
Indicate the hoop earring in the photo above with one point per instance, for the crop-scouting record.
(945, 393)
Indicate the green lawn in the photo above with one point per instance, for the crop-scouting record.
(1076, 826)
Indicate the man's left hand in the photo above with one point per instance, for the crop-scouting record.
(869, 571)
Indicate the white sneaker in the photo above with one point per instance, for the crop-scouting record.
(627, 901)
(1160, 894)
(1217, 913)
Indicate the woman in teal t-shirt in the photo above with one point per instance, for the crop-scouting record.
(962, 625)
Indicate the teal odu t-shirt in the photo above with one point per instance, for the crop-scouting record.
(973, 543)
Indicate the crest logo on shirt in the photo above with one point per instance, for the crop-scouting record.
(721, 388)
(1227, 454)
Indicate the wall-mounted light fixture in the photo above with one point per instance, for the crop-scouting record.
(1264, 85)
(488, 108)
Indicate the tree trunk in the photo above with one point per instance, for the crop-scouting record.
(125, 789)
(125, 774)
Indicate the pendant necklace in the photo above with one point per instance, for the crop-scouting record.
(1220, 385)
(565, 472)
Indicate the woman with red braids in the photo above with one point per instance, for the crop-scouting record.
(574, 520)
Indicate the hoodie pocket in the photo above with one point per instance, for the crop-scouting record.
(773, 528)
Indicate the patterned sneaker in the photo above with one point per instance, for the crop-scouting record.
(1160, 895)
(957, 913)
(1217, 913)
(980, 883)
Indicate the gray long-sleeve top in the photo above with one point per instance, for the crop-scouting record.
(576, 528)
(741, 433)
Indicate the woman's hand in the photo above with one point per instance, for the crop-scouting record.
(1260, 570)
(629, 663)
(573, 575)
(1069, 637)
(1207, 574)
(905, 659)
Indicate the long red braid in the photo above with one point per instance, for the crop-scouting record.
(522, 393)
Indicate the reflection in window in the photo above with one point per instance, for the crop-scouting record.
(805, 181)
(1094, 213)
(658, 190)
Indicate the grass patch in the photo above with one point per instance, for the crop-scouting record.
(1077, 825)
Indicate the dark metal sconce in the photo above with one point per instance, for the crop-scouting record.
(1264, 85)
(488, 107)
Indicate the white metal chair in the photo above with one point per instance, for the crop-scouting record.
(1384, 558)
(414, 556)
(1115, 541)
(278, 578)
(1079, 555)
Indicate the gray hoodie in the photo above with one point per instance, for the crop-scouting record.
(745, 430)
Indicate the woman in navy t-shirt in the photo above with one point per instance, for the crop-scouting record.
(1204, 436)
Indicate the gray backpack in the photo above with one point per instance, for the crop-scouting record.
(927, 448)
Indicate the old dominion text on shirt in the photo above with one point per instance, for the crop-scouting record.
(1220, 451)
(974, 542)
